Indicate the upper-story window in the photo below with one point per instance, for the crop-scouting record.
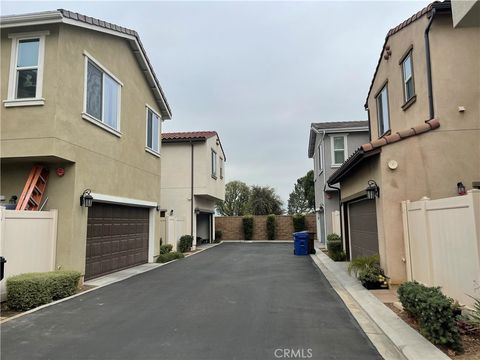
(339, 149)
(214, 164)
(221, 168)
(153, 130)
(383, 114)
(102, 95)
(319, 158)
(26, 69)
(408, 84)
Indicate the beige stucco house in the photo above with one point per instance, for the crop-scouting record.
(80, 97)
(424, 112)
(193, 180)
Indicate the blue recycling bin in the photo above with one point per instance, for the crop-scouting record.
(301, 243)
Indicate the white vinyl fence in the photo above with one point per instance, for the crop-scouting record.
(27, 242)
(442, 244)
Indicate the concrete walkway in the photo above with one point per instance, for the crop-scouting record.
(234, 301)
(383, 326)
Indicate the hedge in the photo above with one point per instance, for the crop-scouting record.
(434, 313)
(163, 258)
(185, 243)
(298, 222)
(28, 291)
(271, 219)
(248, 227)
(335, 248)
(165, 249)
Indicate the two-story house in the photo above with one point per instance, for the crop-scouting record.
(81, 100)
(330, 144)
(424, 114)
(193, 180)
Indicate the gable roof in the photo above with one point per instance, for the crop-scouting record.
(191, 136)
(76, 19)
(375, 147)
(438, 5)
(333, 126)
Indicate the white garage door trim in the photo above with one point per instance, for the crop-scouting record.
(110, 199)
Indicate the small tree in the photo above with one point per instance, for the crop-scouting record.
(271, 219)
(264, 200)
(298, 222)
(248, 227)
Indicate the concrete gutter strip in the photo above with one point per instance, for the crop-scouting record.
(108, 280)
(410, 343)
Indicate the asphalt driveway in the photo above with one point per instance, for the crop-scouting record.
(235, 301)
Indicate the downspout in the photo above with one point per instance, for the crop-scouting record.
(369, 126)
(191, 192)
(429, 66)
(324, 180)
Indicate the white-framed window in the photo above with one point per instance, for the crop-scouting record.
(214, 164)
(102, 96)
(153, 130)
(383, 114)
(320, 158)
(26, 69)
(407, 71)
(221, 168)
(339, 149)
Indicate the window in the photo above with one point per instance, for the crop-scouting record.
(26, 69)
(153, 130)
(221, 168)
(408, 85)
(214, 164)
(319, 158)
(102, 96)
(339, 149)
(382, 111)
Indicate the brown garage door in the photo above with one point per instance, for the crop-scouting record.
(117, 238)
(363, 228)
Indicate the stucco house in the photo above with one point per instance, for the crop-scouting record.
(330, 144)
(81, 99)
(424, 114)
(193, 180)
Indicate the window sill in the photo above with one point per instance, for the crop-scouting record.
(153, 152)
(409, 102)
(94, 121)
(24, 102)
(333, 166)
(386, 133)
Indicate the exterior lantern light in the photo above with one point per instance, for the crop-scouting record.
(461, 189)
(86, 199)
(197, 211)
(372, 190)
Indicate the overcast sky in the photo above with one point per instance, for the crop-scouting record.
(257, 72)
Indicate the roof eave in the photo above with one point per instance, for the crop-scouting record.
(350, 164)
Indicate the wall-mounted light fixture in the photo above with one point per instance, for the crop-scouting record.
(171, 212)
(372, 190)
(461, 189)
(86, 199)
(197, 211)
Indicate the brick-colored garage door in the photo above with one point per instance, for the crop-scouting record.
(117, 238)
(362, 217)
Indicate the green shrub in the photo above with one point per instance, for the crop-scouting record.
(298, 222)
(163, 258)
(28, 291)
(185, 243)
(165, 249)
(248, 227)
(338, 256)
(373, 277)
(271, 224)
(333, 237)
(363, 262)
(218, 235)
(434, 313)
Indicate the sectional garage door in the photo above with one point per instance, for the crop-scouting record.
(117, 238)
(362, 217)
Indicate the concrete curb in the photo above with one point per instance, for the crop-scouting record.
(409, 343)
(258, 241)
(145, 269)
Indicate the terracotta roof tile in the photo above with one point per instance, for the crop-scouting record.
(392, 138)
(406, 133)
(191, 135)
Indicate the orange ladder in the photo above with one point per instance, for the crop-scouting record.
(34, 189)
